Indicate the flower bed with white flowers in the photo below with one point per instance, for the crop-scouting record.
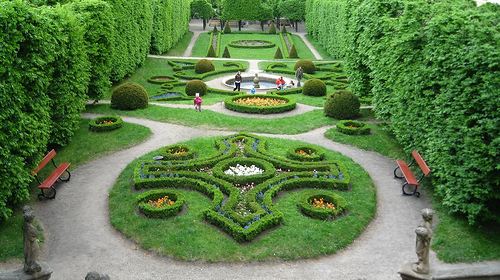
(240, 170)
(243, 170)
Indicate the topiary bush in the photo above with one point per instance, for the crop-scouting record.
(129, 96)
(227, 28)
(196, 86)
(307, 65)
(314, 87)
(204, 66)
(211, 52)
(353, 127)
(342, 105)
(272, 29)
(293, 53)
(226, 53)
(147, 207)
(278, 54)
(283, 30)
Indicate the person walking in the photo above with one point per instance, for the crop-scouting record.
(197, 102)
(237, 81)
(299, 74)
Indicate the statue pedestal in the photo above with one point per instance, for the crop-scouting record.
(406, 272)
(19, 274)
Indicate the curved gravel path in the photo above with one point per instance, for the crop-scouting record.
(80, 237)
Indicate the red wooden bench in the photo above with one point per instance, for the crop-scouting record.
(410, 187)
(47, 189)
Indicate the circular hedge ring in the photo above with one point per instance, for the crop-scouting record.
(177, 152)
(269, 170)
(161, 79)
(305, 153)
(260, 104)
(145, 202)
(321, 210)
(353, 128)
(252, 44)
(106, 123)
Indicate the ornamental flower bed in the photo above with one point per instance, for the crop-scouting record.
(160, 203)
(260, 104)
(243, 170)
(106, 123)
(305, 154)
(177, 152)
(323, 206)
(353, 127)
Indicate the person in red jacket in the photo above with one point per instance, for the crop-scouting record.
(280, 83)
(197, 102)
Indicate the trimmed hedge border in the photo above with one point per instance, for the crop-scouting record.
(315, 154)
(163, 212)
(230, 104)
(265, 44)
(154, 79)
(96, 124)
(306, 207)
(350, 127)
(269, 170)
(168, 154)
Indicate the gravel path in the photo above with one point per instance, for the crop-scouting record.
(315, 52)
(189, 49)
(80, 237)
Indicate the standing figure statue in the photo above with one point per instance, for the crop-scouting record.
(256, 81)
(423, 242)
(31, 248)
(299, 74)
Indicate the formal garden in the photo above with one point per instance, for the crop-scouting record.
(386, 108)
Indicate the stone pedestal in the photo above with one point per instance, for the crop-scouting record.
(406, 272)
(43, 274)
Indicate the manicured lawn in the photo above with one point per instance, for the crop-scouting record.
(380, 140)
(201, 46)
(178, 50)
(324, 54)
(209, 119)
(85, 146)
(188, 236)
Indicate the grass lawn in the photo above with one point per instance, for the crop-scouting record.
(209, 119)
(85, 146)
(324, 54)
(201, 46)
(188, 236)
(178, 50)
(380, 140)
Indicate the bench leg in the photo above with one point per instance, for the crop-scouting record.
(47, 193)
(410, 190)
(396, 175)
(66, 177)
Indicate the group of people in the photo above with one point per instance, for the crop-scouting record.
(280, 85)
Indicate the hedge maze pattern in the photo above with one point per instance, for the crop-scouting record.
(256, 192)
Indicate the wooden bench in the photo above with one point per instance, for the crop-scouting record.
(410, 187)
(47, 189)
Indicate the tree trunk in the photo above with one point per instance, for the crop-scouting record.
(296, 26)
(221, 24)
(204, 24)
(262, 25)
(239, 25)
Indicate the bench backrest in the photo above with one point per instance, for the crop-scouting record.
(44, 162)
(421, 163)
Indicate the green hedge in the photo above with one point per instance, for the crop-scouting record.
(305, 205)
(230, 103)
(432, 68)
(164, 212)
(170, 153)
(265, 44)
(353, 127)
(170, 23)
(312, 154)
(98, 125)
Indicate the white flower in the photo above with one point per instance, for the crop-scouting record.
(243, 170)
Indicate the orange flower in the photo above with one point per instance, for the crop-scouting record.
(161, 202)
(321, 203)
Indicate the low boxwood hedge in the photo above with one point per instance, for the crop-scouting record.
(162, 212)
(177, 152)
(106, 123)
(306, 207)
(310, 154)
(231, 104)
(353, 127)
(269, 170)
(159, 80)
(264, 44)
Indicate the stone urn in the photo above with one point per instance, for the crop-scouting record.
(256, 81)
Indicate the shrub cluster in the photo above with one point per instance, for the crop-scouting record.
(353, 127)
(196, 86)
(305, 153)
(129, 96)
(339, 203)
(106, 123)
(432, 69)
(160, 212)
(178, 152)
(307, 65)
(230, 103)
(342, 105)
(204, 66)
(314, 87)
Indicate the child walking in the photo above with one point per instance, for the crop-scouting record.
(197, 102)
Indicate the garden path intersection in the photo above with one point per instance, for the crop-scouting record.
(80, 237)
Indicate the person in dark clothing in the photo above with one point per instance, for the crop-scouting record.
(237, 82)
(299, 74)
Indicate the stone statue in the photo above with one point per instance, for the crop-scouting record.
(256, 81)
(31, 248)
(423, 242)
(96, 276)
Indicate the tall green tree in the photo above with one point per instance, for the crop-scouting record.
(202, 9)
(243, 10)
(294, 10)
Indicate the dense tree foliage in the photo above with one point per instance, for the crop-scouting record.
(432, 68)
(202, 9)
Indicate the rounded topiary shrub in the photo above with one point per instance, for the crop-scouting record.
(314, 87)
(204, 66)
(342, 105)
(307, 65)
(129, 96)
(196, 86)
(353, 127)
(106, 123)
